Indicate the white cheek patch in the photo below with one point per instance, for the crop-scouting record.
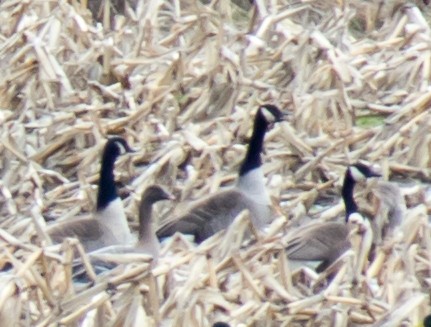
(123, 150)
(269, 117)
(356, 174)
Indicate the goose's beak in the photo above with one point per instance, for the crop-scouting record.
(285, 116)
(374, 174)
(131, 150)
(169, 196)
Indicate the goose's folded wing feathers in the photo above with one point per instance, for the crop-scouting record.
(318, 242)
(206, 216)
(85, 229)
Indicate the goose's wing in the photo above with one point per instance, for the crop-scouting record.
(206, 216)
(319, 242)
(84, 229)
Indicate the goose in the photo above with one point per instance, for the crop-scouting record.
(109, 225)
(215, 212)
(326, 242)
(147, 241)
(104, 259)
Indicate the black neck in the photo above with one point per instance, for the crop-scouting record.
(347, 194)
(107, 189)
(252, 159)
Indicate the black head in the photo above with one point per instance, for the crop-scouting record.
(359, 172)
(155, 193)
(221, 324)
(427, 321)
(116, 146)
(271, 113)
(265, 116)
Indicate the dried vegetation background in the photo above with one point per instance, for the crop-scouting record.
(181, 80)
